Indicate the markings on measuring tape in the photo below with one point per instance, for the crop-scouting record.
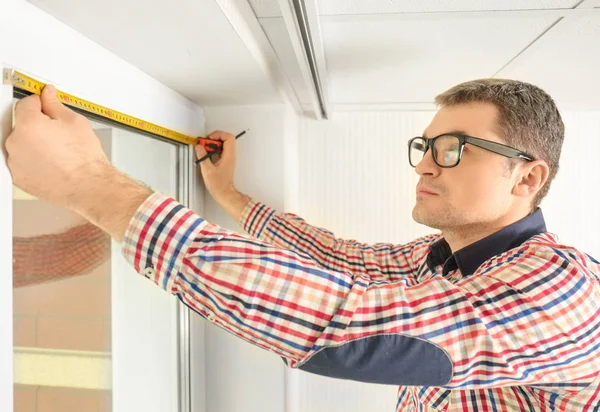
(29, 84)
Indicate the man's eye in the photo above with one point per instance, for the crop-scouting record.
(450, 157)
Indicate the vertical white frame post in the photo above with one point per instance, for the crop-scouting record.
(185, 179)
(6, 255)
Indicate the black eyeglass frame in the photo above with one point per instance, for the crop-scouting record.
(490, 146)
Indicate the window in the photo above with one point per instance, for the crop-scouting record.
(87, 328)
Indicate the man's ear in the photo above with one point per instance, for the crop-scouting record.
(531, 177)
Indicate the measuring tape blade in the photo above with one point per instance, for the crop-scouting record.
(25, 83)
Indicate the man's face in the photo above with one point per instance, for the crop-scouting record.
(478, 189)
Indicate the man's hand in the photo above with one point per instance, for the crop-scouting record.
(53, 154)
(218, 177)
(52, 149)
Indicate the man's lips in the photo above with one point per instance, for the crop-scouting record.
(425, 190)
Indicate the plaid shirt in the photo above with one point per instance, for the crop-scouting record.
(521, 332)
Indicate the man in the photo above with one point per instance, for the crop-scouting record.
(491, 314)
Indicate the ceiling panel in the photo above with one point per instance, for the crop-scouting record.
(189, 45)
(412, 60)
(590, 4)
(565, 63)
(270, 8)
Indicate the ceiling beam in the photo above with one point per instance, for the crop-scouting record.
(244, 22)
(314, 23)
(302, 23)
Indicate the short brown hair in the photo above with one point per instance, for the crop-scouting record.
(529, 119)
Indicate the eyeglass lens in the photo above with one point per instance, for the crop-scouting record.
(446, 151)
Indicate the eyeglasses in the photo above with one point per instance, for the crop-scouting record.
(447, 149)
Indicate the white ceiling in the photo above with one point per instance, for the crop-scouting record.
(377, 51)
(189, 45)
(412, 60)
(401, 53)
(565, 62)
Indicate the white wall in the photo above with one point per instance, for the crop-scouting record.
(240, 376)
(260, 152)
(355, 179)
(37, 44)
(572, 208)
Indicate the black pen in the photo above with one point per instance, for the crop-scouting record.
(210, 154)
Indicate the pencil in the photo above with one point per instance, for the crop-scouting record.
(210, 154)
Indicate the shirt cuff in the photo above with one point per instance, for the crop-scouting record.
(158, 237)
(255, 218)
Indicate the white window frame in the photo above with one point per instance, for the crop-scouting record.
(188, 194)
(6, 256)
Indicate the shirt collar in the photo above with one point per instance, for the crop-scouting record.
(469, 258)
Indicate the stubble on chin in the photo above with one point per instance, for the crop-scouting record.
(433, 219)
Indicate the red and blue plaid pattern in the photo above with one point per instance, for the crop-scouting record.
(521, 333)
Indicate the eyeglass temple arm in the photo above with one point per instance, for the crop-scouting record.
(419, 146)
(500, 149)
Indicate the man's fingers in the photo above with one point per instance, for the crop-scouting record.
(200, 153)
(220, 135)
(28, 107)
(228, 153)
(52, 107)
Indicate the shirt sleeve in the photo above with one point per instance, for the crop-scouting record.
(380, 262)
(528, 318)
(56, 256)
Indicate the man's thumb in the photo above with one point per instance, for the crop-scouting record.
(51, 106)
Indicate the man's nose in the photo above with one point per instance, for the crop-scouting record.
(427, 165)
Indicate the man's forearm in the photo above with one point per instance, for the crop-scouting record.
(234, 203)
(108, 198)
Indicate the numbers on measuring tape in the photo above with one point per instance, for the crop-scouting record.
(28, 84)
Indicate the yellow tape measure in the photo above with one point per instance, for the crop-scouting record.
(28, 84)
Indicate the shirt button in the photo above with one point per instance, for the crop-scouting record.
(211, 317)
(149, 271)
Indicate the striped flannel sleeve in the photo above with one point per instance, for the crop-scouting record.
(526, 318)
(380, 262)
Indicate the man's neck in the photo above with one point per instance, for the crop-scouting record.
(460, 237)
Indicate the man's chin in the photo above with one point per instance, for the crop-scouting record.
(423, 218)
